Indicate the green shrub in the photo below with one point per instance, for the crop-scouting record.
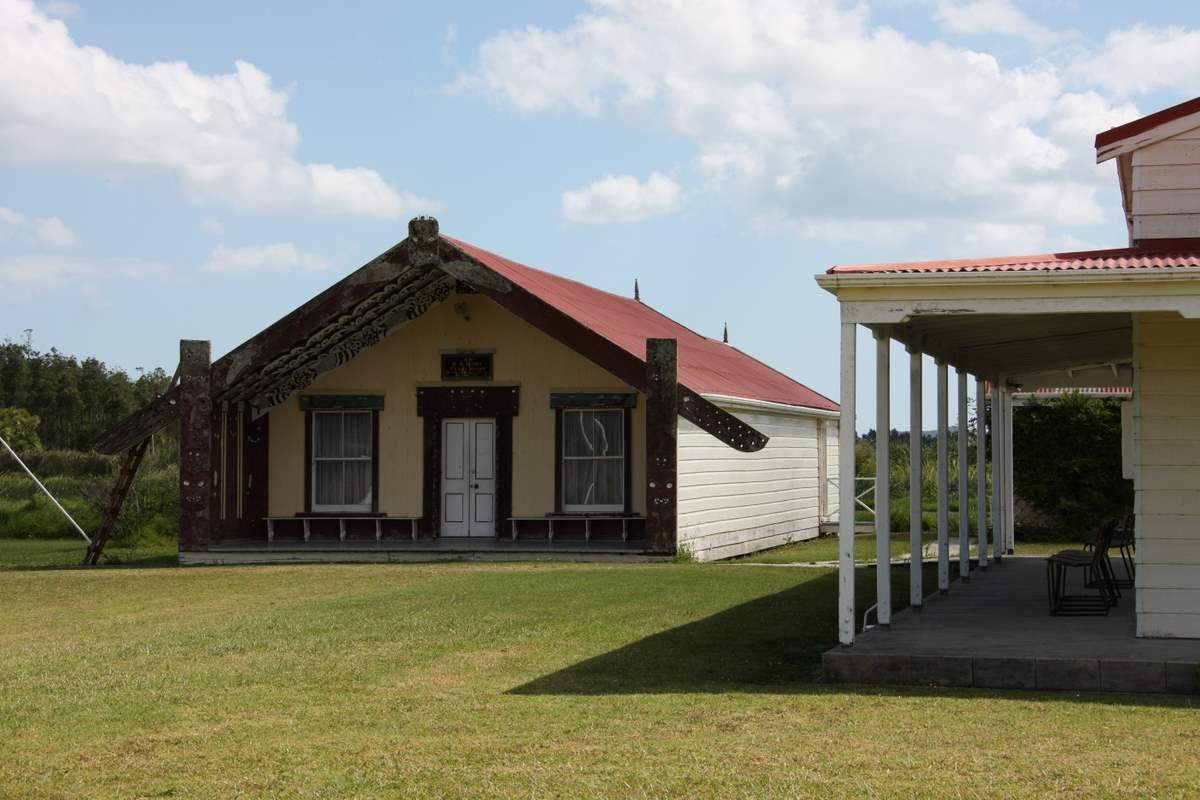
(75, 463)
(82, 482)
(37, 518)
(1067, 464)
(16, 486)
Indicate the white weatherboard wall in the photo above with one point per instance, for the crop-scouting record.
(733, 503)
(1166, 188)
(829, 485)
(1167, 474)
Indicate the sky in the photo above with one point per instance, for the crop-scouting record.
(172, 170)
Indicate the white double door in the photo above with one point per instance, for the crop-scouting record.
(469, 477)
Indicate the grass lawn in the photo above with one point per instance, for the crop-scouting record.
(520, 680)
(41, 553)
(826, 549)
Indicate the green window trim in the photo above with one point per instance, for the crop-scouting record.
(593, 400)
(341, 402)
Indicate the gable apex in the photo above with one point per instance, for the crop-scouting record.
(1148, 130)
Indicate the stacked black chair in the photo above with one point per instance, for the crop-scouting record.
(1097, 575)
(1123, 542)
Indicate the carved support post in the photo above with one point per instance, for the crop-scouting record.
(662, 425)
(195, 445)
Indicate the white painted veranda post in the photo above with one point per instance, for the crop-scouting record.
(981, 472)
(915, 423)
(1009, 510)
(883, 489)
(964, 484)
(997, 473)
(846, 437)
(943, 476)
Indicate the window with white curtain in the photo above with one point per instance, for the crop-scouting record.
(593, 460)
(342, 461)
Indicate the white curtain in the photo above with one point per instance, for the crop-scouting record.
(594, 458)
(342, 459)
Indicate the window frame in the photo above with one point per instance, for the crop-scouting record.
(310, 495)
(560, 458)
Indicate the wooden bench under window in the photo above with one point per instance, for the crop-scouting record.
(341, 521)
(586, 519)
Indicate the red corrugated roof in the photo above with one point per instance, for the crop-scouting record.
(706, 365)
(1123, 258)
(1146, 123)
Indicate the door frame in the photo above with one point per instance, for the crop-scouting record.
(470, 464)
(436, 403)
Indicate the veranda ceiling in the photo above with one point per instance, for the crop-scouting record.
(1027, 350)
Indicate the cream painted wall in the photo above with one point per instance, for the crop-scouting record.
(1166, 423)
(410, 357)
(733, 503)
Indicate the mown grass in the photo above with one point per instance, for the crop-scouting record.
(46, 553)
(825, 549)
(523, 680)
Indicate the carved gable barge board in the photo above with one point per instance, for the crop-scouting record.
(141, 424)
(720, 423)
(340, 341)
(583, 340)
(420, 249)
(260, 349)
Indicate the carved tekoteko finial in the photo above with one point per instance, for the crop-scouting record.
(637, 295)
(725, 335)
(423, 240)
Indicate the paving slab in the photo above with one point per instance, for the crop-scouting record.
(995, 631)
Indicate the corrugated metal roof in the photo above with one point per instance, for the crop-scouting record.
(706, 365)
(1122, 258)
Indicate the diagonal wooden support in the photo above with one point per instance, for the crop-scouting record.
(116, 500)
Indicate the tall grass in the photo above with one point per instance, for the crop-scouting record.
(900, 473)
(82, 482)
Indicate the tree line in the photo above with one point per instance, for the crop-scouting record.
(74, 400)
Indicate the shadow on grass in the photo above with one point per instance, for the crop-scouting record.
(23, 555)
(770, 645)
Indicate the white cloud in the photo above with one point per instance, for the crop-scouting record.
(814, 118)
(22, 278)
(224, 138)
(1143, 59)
(48, 231)
(449, 41)
(213, 226)
(282, 257)
(621, 199)
(978, 17)
(62, 9)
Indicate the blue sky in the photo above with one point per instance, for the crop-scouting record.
(720, 152)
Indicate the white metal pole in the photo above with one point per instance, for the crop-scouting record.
(846, 441)
(997, 473)
(981, 498)
(915, 423)
(964, 484)
(45, 491)
(1009, 485)
(883, 489)
(943, 476)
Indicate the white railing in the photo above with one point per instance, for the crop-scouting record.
(860, 494)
